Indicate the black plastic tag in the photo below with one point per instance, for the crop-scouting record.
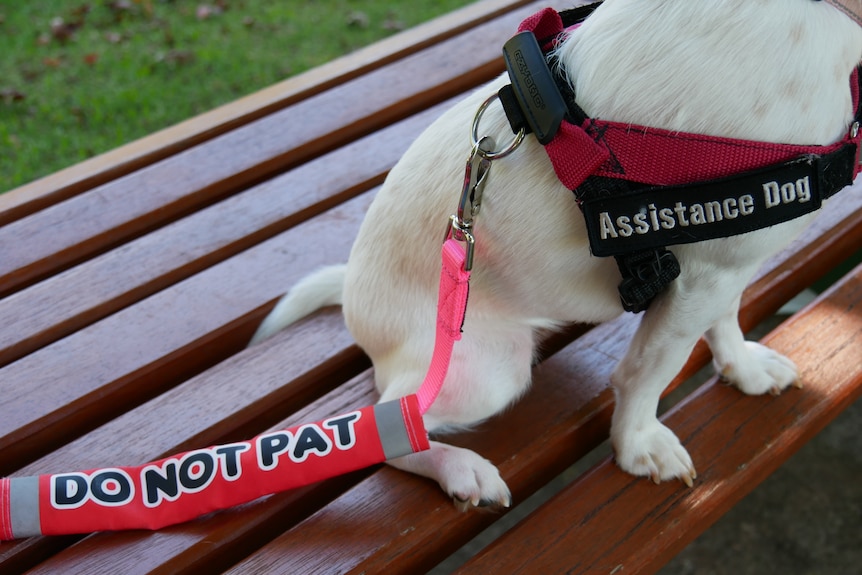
(534, 86)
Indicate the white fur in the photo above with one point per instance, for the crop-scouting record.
(320, 289)
(774, 70)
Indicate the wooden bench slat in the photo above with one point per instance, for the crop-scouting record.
(128, 158)
(806, 263)
(570, 533)
(122, 209)
(567, 411)
(62, 304)
(244, 394)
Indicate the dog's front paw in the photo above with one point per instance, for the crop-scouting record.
(654, 452)
(760, 371)
(473, 481)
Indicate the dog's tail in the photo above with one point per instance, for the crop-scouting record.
(320, 289)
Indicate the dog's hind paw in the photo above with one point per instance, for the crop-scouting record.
(469, 479)
(761, 371)
(656, 453)
(475, 482)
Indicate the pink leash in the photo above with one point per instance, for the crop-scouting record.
(187, 485)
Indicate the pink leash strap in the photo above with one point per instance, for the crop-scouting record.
(187, 485)
(451, 307)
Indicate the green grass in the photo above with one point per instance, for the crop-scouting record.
(79, 77)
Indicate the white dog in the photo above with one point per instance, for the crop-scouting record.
(770, 70)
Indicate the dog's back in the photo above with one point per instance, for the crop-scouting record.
(771, 70)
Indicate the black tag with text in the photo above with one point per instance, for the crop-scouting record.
(660, 217)
(534, 86)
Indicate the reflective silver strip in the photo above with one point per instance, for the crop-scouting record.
(390, 427)
(24, 504)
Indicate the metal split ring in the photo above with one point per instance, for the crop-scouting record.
(519, 137)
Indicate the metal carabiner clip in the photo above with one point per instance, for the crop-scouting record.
(475, 178)
(457, 231)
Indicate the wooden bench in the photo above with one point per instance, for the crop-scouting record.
(132, 282)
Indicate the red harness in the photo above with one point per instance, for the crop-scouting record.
(635, 201)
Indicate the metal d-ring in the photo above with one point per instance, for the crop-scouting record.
(519, 137)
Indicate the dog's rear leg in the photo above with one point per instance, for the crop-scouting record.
(468, 478)
(490, 368)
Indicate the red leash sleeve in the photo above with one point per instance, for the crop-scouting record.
(191, 484)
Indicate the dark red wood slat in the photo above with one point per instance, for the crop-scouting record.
(78, 382)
